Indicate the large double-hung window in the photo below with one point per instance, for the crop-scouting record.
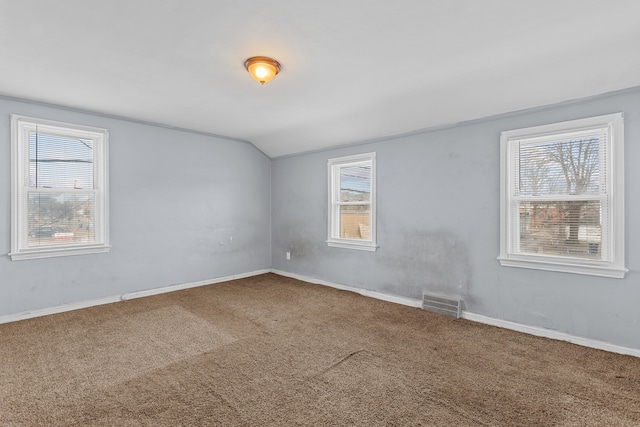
(562, 197)
(59, 189)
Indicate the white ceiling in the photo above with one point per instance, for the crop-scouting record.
(353, 70)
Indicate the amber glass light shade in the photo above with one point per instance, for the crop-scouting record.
(262, 69)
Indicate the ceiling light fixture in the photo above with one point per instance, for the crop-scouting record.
(262, 69)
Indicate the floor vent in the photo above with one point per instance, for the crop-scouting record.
(440, 305)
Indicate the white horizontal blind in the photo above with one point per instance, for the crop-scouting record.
(58, 161)
(59, 192)
(560, 195)
(61, 196)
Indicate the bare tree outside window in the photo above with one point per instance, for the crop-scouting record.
(579, 162)
(567, 170)
(562, 196)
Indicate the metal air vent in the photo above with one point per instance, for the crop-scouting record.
(441, 305)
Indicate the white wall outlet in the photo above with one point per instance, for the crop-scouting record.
(288, 255)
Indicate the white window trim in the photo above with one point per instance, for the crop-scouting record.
(333, 232)
(19, 224)
(614, 266)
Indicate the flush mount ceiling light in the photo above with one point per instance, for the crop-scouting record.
(262, 69)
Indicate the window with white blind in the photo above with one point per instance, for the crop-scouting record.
(562, 197)
(352, 207)
(59, 189)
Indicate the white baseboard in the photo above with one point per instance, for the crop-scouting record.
(365, 292)
(550, 333)
(532, 330)
(14, 317)
(179, 287)
(127, 296)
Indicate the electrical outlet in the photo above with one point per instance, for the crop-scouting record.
(288, 255)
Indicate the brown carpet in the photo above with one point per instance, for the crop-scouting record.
(273, 351)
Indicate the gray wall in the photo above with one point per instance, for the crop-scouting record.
(176, 198)
(438, 227)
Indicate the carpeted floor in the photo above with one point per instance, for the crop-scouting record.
(272, 351)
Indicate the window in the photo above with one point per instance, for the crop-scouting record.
(352, 207)
(59, 189)
(562, 189)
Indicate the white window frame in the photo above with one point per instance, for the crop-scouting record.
(20, 187)
(612, 263)
(334, 167)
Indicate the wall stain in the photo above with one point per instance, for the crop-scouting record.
(434, 262)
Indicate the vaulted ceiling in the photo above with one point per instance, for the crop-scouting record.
(353, 70)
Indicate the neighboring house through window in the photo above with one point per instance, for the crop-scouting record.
(59, 189)
(562, 197)
(352, 207)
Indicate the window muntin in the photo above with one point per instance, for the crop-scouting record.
(59, 199)
(562, 206)
(352, 202)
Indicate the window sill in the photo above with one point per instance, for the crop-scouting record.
(57, 252)
(353, 244)
(601, 269)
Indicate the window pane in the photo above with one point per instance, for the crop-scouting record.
(60, 218)
(355, 222)
(60, 161)
(560, 167)
(568, 228)
(355, 183)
